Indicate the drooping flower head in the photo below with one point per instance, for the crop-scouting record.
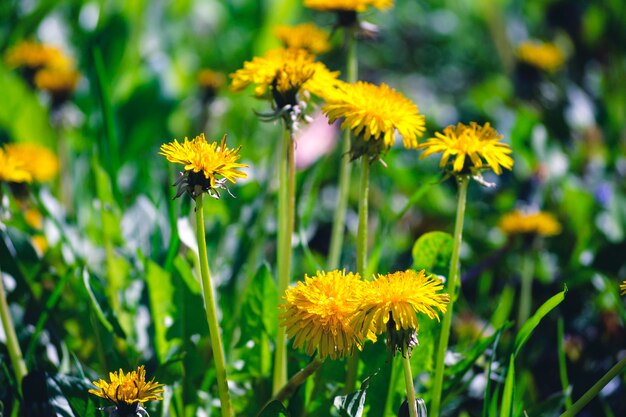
(305, 36)
(530, 223)
(317, 313)
(284, 74)
(473, 147)
(127, 391)
(12, 169)
(40, 162)
(391, 304)
(545, 56)
(207, 165)
(347, 5)
(374, 114)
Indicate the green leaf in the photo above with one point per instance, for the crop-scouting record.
(432, 250)
(508, 394)
(530, 325)
(259, 306)
(273, 409)
(351, 405)
(184, 270)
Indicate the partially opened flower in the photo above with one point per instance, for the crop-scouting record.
(347, 5)
(391, 304)
(128, 391)
(545, 56)
(317, 313)
(304, 36)
(530, 223)
(40, 162)
(207, 165)
(473, 148)
(12, 169)
(374, 114)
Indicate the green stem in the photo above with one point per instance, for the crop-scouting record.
(339, 220)
(13, 345)
(410, 389)
(562, 364)
(286, 220)
(451, 285)
(298, 379)
(595, 389)
(211, 315)
(361, 259)
(525, 301)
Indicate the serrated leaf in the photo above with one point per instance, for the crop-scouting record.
(432, 251)
(259, 306)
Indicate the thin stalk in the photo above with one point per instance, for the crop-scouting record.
(562, 364)
(525, 301)
(211, 315)
(286, 220)
(361, 258)
(345, 169)
(595, 389)
(298, 379)
(13, 345)
(410, 389)
(451, 284)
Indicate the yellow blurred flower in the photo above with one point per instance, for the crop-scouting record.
(204, 163)
(545, 56)
(40, 243)
(539, 223)
(130, 388)
(40, 162)
(57, 81)
(210, 79)
(34, 55)
(33, 218)
(347, 5)
(374, 113)
(304, 36)
(12, 169)
(285, 72)
(622, 288)
(472, 147)
(317, 313)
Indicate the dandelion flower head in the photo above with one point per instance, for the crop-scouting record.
(537, 223)
(347, 5)
(40, 162)
(34, 55)
(207, 165)
(57, 80)
(12, 169)
(375, 113)
(305, 36)
(317, 313)
(130, 388)
(399, 296)
(210, 79)
(472, 147)
(545, 56)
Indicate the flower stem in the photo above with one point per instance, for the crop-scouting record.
(298, 379)
(451, 284)
(361, 259)
(410, 389)
(525, 301)
(595, 389)
(211, 315)
(286, 220)
(13, 346)
(345, 169)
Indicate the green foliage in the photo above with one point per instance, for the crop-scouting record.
(432, 251)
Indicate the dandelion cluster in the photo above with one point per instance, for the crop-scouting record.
(472, 147)
(125, 389)
(537, 223)
(333, 312)
(545, 56)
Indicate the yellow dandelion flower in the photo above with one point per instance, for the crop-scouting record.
(211, 80)
(204, 164)
(538, 223)
(470, 146)
(40, 162)
(375, 113)
(35, 55)
(545, 56)
(285, 72)
(347, 5)
(57, 81)
(304, 36)
(130, 388)
(622, 288)
(397, 298)
(12, 169)
(317, 313)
